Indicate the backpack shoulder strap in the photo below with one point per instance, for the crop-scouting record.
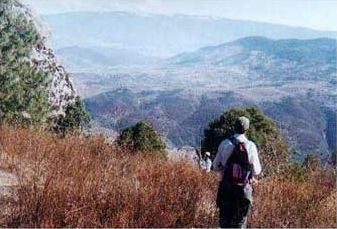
(234, 141)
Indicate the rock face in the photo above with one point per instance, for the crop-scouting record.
(42, 88)
(61, 92)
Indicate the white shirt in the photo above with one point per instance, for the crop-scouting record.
(208, 165)
(226, 148)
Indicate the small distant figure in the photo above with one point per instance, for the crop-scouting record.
(206, 162)
(237, 160)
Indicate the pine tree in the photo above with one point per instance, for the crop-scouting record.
(76, 118)
(141, 137)
(263, 132)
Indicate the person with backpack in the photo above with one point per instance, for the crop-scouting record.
(238, 161)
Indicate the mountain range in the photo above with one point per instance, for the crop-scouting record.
(181, 95)
(257, 67)
(161, 35)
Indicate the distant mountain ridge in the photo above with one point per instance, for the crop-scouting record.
(162, 35)
(319, 49)
(256, 66)
(79, 58)
(262, 58)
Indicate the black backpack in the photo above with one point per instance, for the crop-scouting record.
(238, 168)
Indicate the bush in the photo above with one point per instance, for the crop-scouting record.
(263, 132)
(141, 137)
(76, 118)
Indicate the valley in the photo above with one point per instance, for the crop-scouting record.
(180, 80)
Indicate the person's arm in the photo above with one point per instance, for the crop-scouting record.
(217, 160)
(255, 161)
(208, 165)
(222, 155)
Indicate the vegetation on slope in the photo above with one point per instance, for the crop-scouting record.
(83, 182)
(181, 116)
(263, 132)
(23, 95)
(76, 118)
(141, 137)
(25, 87)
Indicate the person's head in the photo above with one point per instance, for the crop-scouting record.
(207, 154)
(241, 125)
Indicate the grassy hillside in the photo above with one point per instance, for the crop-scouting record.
(83, 182)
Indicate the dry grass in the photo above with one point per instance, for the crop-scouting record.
(296, 204)
(82, 182)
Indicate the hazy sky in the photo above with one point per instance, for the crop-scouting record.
(316, 14)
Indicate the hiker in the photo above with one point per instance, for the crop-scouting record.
(237, 160)
(206, 162)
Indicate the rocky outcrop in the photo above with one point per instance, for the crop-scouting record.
(36, 88)
(60, 91)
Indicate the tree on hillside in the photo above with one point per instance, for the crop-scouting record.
(141, 137)
(76, 118)
(272, 150)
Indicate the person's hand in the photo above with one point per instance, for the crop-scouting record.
(254, 181)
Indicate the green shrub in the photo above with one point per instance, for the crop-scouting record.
(295, 172)
(141, 137)
(76, 118)
(263, 132)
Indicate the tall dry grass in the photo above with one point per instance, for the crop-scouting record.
(83, 182)
(288, 203)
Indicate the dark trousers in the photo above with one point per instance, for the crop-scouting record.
(234, 203)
